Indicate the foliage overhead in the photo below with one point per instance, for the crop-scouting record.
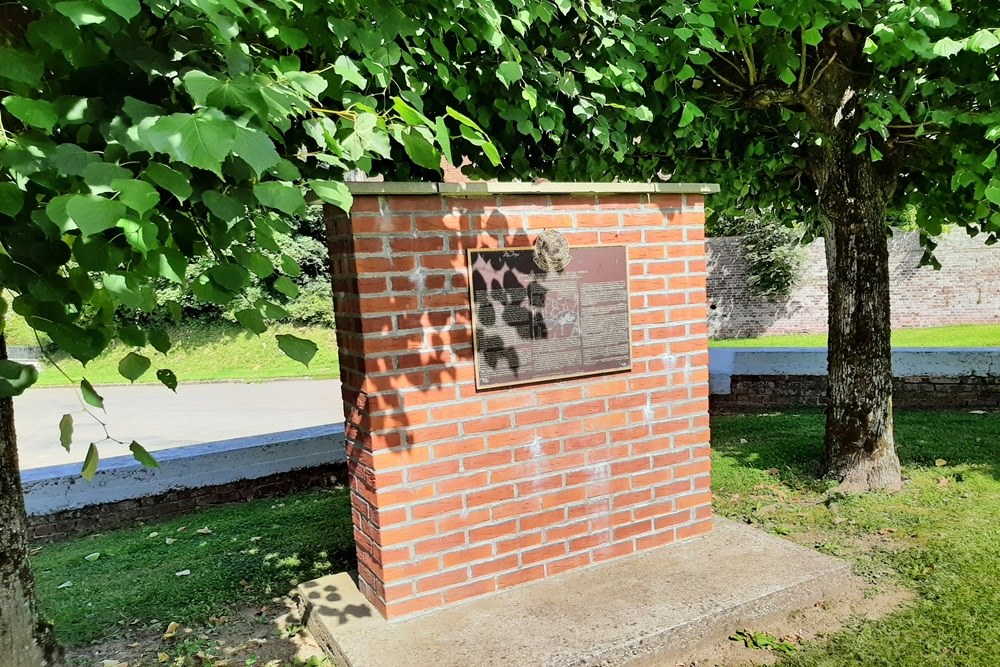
(139, 138)
(736, 93)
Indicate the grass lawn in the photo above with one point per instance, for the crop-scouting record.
(255, 551)
(959, 335)
(940, 537)
(200, 352)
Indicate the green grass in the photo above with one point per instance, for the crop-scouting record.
(256, 551)
(959, 335)
(940, 536)
(207, 352)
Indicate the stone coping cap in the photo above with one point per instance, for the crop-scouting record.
(482, 188)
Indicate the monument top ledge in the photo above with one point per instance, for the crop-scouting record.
(487, 188)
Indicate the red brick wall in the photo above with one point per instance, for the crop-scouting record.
(459, 493)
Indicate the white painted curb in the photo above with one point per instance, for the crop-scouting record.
(724, 363)
(58, 488)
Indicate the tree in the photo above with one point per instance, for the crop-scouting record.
(138, 139)
(832, 113)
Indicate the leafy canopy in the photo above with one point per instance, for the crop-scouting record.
(138, 139)
(735, 93)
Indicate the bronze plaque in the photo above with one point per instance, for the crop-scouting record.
(531, 324)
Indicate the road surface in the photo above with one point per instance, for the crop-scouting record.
(158, 419)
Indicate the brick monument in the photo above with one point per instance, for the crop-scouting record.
(461, 490)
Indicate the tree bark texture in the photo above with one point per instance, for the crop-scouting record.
(854, 193)
(25, 640)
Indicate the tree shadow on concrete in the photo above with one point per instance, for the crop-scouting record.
(329, 603)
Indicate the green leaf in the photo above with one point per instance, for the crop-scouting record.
(81, 12)
(90, 463)
(984, 40)
(94, 214)
(290, 267)
(139, 196)
(689, 113)
(349, 71)
(770, 18)
(172, 265)
(127, 9)
(442, 136)
(90, 394)
(202, 139)
(11, 199)
(160, 340)
(21, 66)
(169, 179)
(256, 149)
(420, 150)
(299, 349)
(333, 192)
(947, 47)
(33, 113)
(282, 196)
(200, 85)
(15, 378)
(167, 377)
(252, 320)
(993, 193)
(142, 456)
(66, 431)
(224, 207)
(132, 366)
(508, 72)
(286, 287)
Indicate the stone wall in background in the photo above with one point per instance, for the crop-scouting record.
(965, 291)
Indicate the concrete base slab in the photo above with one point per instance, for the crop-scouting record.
(640, 609)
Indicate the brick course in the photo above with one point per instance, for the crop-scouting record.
(459, 493)
(759, 392)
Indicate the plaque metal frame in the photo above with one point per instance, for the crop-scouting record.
(546, 378)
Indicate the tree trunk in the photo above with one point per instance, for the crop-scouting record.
(854, 192)
(859, 445)
(25, 640)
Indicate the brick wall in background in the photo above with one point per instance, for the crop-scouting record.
(965, 291)
(459, 493)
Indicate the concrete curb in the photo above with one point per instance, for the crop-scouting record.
(59, 488)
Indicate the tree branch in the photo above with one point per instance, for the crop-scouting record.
(751, 69)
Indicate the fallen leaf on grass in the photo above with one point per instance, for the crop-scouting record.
(170, 540)
(204, 531)
(183, 573)
(154, 534)
(940, 462)
(163, 657)
(92, 557)
(773, 471)
(977, 412)
(65, 584)
(182, 529)
(255, 539)
(172, 629)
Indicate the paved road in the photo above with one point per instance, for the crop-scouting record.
(158, 419)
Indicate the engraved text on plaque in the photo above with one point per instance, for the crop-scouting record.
(531, 325)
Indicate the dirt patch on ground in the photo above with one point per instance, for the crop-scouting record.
(270, 636)
(854, 602)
